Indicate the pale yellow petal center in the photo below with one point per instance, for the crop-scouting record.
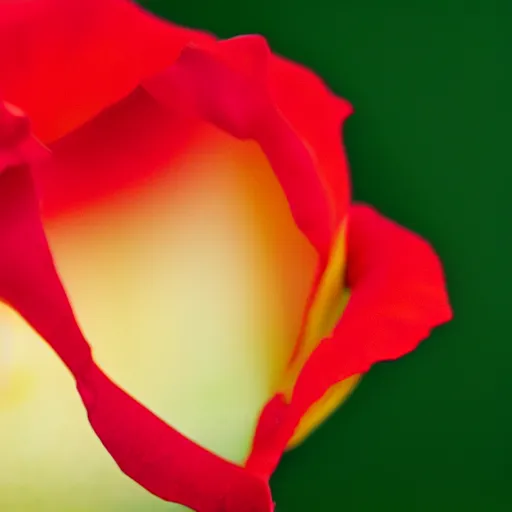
(190, 289)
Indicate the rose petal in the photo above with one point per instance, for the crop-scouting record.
(239, 86)
(158, 457)
(397, 296)
(317, 116)
(164, 461)
(28, 279)
(318, 413)
(208, 231)
(214, 84)
(95, 40)
(64, 61)
(17, 147)
(98, 394)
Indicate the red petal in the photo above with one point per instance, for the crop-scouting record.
(317, 116)
(57, 54)
(225, 83)
(28, 279)
(164, 461)
(64, 61)
(398, 296)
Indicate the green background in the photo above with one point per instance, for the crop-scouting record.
(427, 146)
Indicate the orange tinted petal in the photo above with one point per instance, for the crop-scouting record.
(215, 84)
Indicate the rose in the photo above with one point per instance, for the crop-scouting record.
(129, 106)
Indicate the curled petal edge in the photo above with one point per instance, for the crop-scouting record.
(397, 296)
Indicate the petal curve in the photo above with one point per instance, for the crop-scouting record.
(162, 460)
(157, 456)
(56, 55)
(212, 82)
(318, 116)
(397, 296)
(28, 278)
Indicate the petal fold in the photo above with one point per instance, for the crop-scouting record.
(162, 460)
(28, 279)
(225, 84)
(65, 61)
(397, 296)
(317, 115)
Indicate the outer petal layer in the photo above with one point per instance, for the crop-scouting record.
(317, 115)
(164, 461)
(28, 279)
(64, 61)
(397, 295)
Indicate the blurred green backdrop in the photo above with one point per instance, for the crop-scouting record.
(431, 432)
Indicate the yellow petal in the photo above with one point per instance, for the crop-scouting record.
(327, 308)
(322, 409)
(190, 289)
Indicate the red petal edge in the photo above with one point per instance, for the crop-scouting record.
(55, 56)
(214, 83)
(148, 450)
(398, 296)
